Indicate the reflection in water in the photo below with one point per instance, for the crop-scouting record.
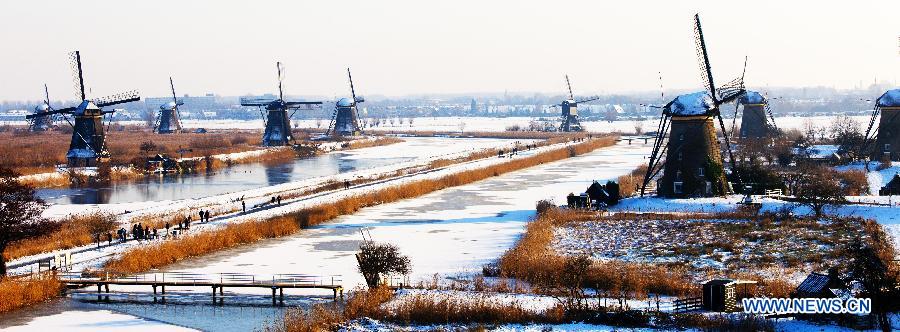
(236, 178)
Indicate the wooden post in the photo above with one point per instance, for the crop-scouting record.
(163, 288)
(107, 288)
(99, 288)
(273, 295)
(154, 289)
(220, 290)
(281, 294)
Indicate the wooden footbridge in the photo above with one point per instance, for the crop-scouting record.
(216, 282)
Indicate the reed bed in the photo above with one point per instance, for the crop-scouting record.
(18, 293)
(379, 141)
(494, 134)
(533, 260)
(72, 232)
(144, 258)
(630, 184)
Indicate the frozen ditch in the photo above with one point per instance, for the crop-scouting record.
(450, 232)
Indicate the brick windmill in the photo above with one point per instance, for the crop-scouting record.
(883, 141)
(569, 117)
(693, 164)
(277, 120)
(40, 122)
(345, 119)
(756, 117)
(88, 145)
(168, 119)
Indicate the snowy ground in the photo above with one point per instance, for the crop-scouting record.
(450, 232)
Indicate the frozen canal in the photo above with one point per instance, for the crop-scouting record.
(257, 175)
(451, 232)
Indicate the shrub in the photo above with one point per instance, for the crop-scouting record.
(377, 260)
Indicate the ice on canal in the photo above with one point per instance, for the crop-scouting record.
(449, 232)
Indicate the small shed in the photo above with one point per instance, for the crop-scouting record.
(720, 295)
(582, 201)
(818, 285)
(597, 193)
(892, 187)
(162, 164)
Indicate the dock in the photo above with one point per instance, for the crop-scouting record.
(216, 282)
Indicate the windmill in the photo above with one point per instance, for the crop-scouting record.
(693, 165)
(169, 120)
(88, 145)
(569, 116)
(277, 120)
(40, 122)
(886, 135)
(756, 117)
(345, 119)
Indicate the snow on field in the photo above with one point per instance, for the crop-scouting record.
(92, 320)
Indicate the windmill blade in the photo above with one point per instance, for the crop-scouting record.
(569, 85)
(589, 99)
(301, 104)
(51, 112)
(174, 97)
(119, 98)
(730, 91)
(47, 97)
(703, 58)
(352, 90)
(77, 76)
(280, 91)
(255, 101)
(727, 142)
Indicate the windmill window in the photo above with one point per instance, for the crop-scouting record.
(680, 137)
(700, 171)
(680, 155)
(887, 147)
(678, 175)
(678, 188)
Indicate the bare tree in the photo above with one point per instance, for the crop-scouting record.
(149, 117)
(818, 188)
(100, 224)
(20, 213)
(638, 127)
(380, 259)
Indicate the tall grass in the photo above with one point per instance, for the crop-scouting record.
(379, 141)
(18, 293)
(533, 260)
(73, 232)
(630, 184)
(158, 255)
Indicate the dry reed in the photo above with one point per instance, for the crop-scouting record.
(18, 293)
(73, 232)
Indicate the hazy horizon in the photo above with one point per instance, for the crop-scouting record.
(409, 48)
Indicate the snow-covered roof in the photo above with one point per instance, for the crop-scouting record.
(752, 97)
(41, 108)
(167, 106)
(814, 283)
(86, 105)
(697, 103)
(345, 102)
(891, 98)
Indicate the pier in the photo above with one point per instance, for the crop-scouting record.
(216, 282)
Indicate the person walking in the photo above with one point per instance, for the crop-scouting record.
(243, 206)
(201, 213)
(279, 199)
(167, 228)
(207, 215)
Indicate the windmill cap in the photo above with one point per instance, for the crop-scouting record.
(167, 106)
(345, 102)
(41, 108)
(698, 103)
(86, 105)
(752, 97)
(891, 98)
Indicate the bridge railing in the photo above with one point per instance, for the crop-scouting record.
(184, 277)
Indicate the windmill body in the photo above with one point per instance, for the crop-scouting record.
(693, 165)
(87, 147)
(754, 123)
(169, 122)
(278, 122)
(689, 157)
(41, 122)
(278, 125)
(345, 120)
(569, 117)
(887, 139)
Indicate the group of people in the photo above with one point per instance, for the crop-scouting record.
(204, 215)
(274, 200)
(138, 232)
